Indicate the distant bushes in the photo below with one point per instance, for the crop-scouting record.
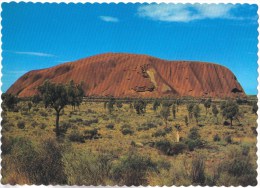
(169, 148)
(162, 132)
(21, 124)
(126, 130)
(76, 136)
(146, 126)
(89, 122)
(91, 134)
(110, 126)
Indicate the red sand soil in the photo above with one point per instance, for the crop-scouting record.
(130, 75)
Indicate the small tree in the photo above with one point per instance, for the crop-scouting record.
(215, 111)
(230, 111)
(55, 96)
(140, 106)
(165, 113)
(178, 102)
(207, 105)
(196, 112)
(75, 94)
(186, 120)
(36, 99)
(119, 104)
(156, 104)
(254, 108)
(190, 107)
(29, 106)
(9, 101)
(110, 104)
(174, 111)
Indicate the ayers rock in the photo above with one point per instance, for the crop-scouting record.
(130, 75)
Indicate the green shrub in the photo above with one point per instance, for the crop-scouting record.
(110, 126)
(228, 139)
(21, 124)
(89, 122)
(198, 170)
(216, 138)
(162, 164)
(194, 133)
(245, 150)
(64, 126)
(132, 170)
(75, 136)
(146, 126)
(192, 144)
(159, 133)
(40, 165)
(239, 169)
(168, 130)
(127, 131)
(163, 145)
(85, 168)
(91, 134)
(176, 148)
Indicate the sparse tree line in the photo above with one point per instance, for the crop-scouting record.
(57, 96)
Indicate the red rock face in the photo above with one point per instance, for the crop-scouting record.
(128, 75)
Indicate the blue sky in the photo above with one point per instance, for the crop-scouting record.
(38, 35)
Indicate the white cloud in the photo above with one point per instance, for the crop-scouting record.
(35, 54)
(186, 12)
(109, 19)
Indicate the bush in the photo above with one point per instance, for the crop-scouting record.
(132, 170)
(177, 148)
(168, 130)
(194, 134)
(75, 136)
(163, 146)
(87, 169)
(245, 150)
(64, 126)
(40, 166)
(110, 126)
(159, 133)
(239, 169)
(21, 125)
(126, 129)
(198, 170)
(91, 134)
(228, 139)
(89, 122)
(146, 126)
(216, 138)
(192, 144)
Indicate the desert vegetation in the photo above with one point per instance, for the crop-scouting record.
(59, 137)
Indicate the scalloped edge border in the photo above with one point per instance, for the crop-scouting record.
(137, 2)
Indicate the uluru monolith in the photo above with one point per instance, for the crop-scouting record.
(132, 75)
